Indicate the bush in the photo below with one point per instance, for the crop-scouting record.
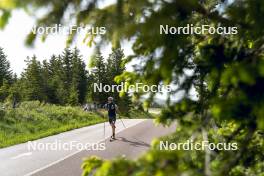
(33, 120)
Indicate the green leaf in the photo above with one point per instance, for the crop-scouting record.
(4, 19)
(7, 4)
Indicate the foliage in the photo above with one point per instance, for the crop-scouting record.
(177, 162)
(33, 120)
(64, 80)
(5, 71)
(99, 77)
(105, 72)
(33, 81)
(226, 72)
(139, 114)
(6, 76)
(61, 80)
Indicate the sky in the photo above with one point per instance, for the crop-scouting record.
(12, 40)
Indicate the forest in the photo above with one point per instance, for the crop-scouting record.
(49, 97)
(226, 72)
(63, 80)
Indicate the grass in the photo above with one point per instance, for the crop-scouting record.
(132, 114)
(138, 114)
(34, 120)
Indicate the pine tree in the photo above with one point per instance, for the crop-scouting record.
(74, 95)
(4, 90)
(100, 77)
(67, 67)
(64, 78)
(115, 68)
(5, 71)
(33, 81)
(79, 76)
(46, 81)
(57, 85)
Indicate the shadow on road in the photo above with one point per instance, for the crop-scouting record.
(134, 143)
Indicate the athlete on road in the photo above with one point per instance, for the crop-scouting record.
(112, 110)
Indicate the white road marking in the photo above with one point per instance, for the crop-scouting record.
(74, 153)
(22, 155)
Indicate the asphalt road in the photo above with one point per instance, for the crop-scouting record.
(131, 142)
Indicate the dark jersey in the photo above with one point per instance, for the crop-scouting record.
(111, 107)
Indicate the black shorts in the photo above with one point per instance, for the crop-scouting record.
(112, 119)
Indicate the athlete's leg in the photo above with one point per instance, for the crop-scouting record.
(113, 127)
(113, 130)
(111, 121)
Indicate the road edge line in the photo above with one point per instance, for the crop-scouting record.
(74, 153)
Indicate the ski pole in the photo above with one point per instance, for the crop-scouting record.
(104, 130)
(122, 122)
